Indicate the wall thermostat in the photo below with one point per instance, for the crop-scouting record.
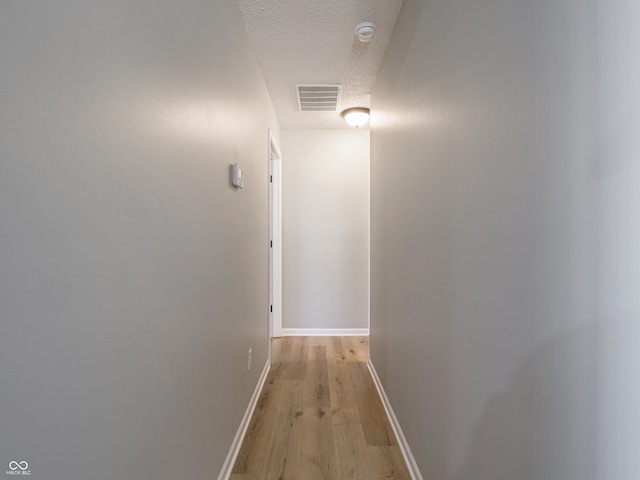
(236, 176)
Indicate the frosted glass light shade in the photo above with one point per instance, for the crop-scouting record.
(356, 117)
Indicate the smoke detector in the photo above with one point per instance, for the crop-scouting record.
(365, 31)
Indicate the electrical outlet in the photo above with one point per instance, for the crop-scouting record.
(249, 362)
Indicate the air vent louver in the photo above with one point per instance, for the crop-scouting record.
(318, 98)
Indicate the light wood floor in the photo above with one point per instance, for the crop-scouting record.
(319, 417)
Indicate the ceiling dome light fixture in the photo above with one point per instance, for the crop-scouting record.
(356, 117)
(365, 31)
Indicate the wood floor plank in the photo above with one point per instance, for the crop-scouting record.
(310, 453)
(276, 349)
(363, 349)
(281, 349)
(261, 423)
(335, 349)
(296, 371)
(291, 354)
(299, 350)
(281, 433)
(352, 456)
(354, 350)
(316, 382)
(344, 409)
(370, 409)
(387, 462)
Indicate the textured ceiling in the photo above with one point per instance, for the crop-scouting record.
(313, 41)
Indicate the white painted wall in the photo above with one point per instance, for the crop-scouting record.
(325, 228)
(133, 277)
(505, 268)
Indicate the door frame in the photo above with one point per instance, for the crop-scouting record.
(275, 239)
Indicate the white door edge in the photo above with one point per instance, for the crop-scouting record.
(275, 236)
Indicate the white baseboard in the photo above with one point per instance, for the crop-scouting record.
(227, 468)
(402, 441)
(325, 332)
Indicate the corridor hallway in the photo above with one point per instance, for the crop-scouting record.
(319, 417)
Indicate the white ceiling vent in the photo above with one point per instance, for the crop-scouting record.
(318, 98)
